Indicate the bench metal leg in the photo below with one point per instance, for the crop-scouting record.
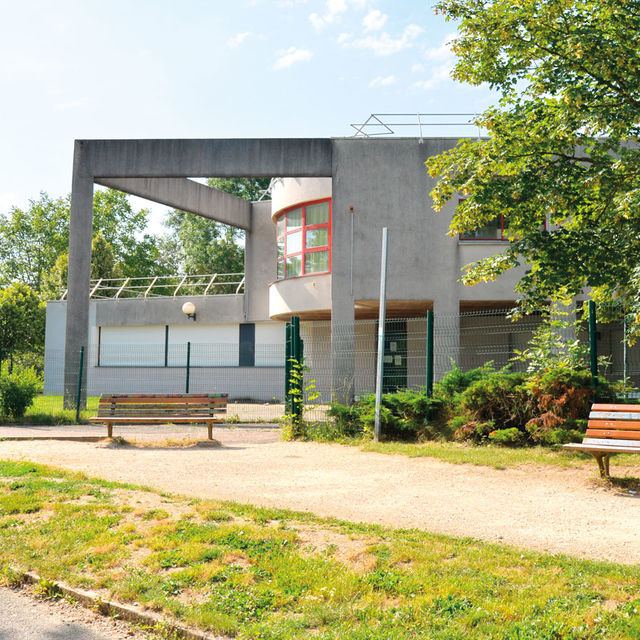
(109, 430)
(210, 430)
(603, 463)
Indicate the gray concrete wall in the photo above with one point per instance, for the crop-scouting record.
(260, 262)
(150, 311)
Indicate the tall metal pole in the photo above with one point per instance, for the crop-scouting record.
(381, 323)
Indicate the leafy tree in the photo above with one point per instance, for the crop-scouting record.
(561, 161)
(206, 246)
(103, 264)
(22, 320)
(250, 189)
(31, 240)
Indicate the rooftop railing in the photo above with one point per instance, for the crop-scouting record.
(392, 124)
(166, 286)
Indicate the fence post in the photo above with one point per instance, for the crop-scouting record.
(296, 343)
(79, 393)
(188, 367)
(287, 368)
(593, 344)
(429, 354)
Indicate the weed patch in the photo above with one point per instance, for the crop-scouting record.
(267, 573)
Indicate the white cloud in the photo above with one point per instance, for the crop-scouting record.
(384, 44)
(382, 81)
(343, 38)
(439, 75)
(289, 57)
(374, 20)
(443, 52)
(333, 10)
(416, 68)
(238, 39)
(442, 60)
(72, 104)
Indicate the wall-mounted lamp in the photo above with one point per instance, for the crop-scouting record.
(189, 309)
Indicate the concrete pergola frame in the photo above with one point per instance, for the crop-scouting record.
(159, 170)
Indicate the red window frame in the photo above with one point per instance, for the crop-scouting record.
(303, 229)
(502, 237)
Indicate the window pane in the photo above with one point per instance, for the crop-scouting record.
(281, 247)
(316, 261)
(280, 269)
(317, 237)
(280, 225)
(294, 242)
(294, 266)
(491, 231)
(317, 213)
(294, 219)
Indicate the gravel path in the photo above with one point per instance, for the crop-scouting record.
(25, 618)
(554, 509)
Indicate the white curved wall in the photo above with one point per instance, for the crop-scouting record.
(298, 295)
(287, 192)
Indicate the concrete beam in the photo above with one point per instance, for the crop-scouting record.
(224, 158)
(187, 195)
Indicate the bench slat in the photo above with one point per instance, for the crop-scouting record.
(613, 415)
(615, 407)
(605, 433)
(615, 424)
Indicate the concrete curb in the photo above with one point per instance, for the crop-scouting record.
(74, 438)
(92, 600)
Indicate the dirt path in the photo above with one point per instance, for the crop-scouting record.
(550, 509)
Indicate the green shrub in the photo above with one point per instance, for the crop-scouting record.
(457, 380)
(510, 437)
(17, 391)
(501, 397)
(403, 415)
(563, 397)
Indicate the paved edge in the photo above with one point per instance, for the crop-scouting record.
(75, 438)
(92, 600)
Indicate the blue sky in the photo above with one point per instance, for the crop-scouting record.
(245, 68)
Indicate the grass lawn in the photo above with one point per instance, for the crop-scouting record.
(257, 573)
(50, 410)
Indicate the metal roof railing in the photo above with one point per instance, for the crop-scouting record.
(211, 284)
(391, 124)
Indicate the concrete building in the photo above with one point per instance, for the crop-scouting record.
(313, 251)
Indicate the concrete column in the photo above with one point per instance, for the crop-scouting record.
(446, 311)
(80, 232)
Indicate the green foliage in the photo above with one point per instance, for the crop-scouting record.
(560, 161)
(267, 573)
(404, 414)
(32, 240)
(301, 398)
(250, 189)
(555, 343)
(22, 320)
(205, 246)
(17, 391)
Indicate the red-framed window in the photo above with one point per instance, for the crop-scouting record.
(493, 231)
(304, 239)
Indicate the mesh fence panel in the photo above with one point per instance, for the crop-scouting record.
(337, 357)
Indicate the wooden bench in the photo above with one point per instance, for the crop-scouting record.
(156, 408)
(612, 428)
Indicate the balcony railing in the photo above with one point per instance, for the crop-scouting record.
(166, 286)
